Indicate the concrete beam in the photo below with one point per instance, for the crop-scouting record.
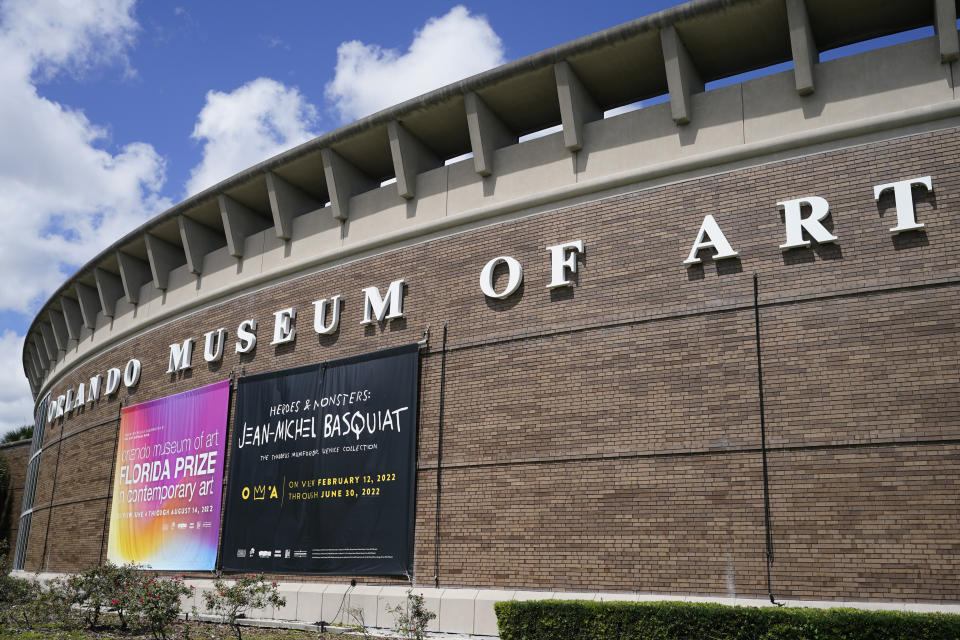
(134, 273)
(286, 203)
(198, 240)
(29, 373)
(59, 326)
(39, 362)
(40, 350)
(577, 106)
(805, 54)
(343, 182)
(49, 342)
(34, 367)
(682, 76)
(90, 304)
(163, 258)
(40, 358)
(72, 316)
(945, 24)
(30, 368)
(29, 365)
(239, 223)
(410, 157)
(109, 289)
(35, 361)
(487, 133)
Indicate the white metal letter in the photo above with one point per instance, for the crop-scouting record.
(113, 382)
(180, 357)
(515, 277)
(213, 344)
(94, 389)
(374, 307)
(710, 237)
(320, 312)
(131, 373)
(283, 329)
(247, 339)
(796, 224)
(68, 407)
(563, 257)
(60, 402)
(903, 198)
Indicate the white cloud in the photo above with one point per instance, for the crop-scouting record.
(64, 193)
(71, 35)
(369, 78)
(250, 124)
(16, 406)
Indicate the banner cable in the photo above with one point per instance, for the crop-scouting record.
(436, 534)
(763, 443)
(227, 434)
(106, 507)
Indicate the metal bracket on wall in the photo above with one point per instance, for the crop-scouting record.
(425, 342)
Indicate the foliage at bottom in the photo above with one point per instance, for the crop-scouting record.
(585, 620)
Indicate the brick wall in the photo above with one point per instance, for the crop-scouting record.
(17, 455)
(608, 436)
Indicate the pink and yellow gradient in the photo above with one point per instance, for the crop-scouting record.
(168, 479)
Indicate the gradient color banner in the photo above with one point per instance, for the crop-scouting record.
(168, 480)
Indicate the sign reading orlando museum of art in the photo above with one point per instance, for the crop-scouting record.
(322, 468)
(168, 480)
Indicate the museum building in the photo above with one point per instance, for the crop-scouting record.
(703, 348)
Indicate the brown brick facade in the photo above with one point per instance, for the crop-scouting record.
(17, 455)
(607, 436)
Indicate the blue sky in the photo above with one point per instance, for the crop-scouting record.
(111, 111)
(182, 51)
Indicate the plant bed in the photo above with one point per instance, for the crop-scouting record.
(184, 630)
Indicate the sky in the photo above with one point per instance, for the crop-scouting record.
(111, 111)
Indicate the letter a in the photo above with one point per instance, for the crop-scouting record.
(710, 237)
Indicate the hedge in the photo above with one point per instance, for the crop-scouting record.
(588, 620)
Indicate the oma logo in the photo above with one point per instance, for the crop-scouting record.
(261, 492)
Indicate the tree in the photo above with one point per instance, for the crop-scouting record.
(23, 433)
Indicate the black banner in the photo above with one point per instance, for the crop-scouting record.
(322, 468)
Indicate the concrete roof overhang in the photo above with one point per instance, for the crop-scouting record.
(617, 66)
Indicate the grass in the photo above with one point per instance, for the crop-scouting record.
(180, 631)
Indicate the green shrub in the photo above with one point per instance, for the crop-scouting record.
(412, 617)
(19, 599)
(232, 602)
(91, 591)
(155, 601)
(587, 620)
(138, 598)
(123, 588)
